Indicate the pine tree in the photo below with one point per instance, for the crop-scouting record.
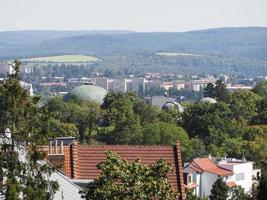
(219, 190)
(209, 90)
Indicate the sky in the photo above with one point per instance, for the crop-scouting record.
(136, 15)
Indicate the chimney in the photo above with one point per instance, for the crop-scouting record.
(74, 159)
(61, 147)
(55, 146)
(50, 147)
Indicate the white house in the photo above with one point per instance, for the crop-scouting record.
(244, 174)
(201, 173)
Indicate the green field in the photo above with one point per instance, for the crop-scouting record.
(173, 54)
(64, 59)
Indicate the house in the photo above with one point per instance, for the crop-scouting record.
(78, 162)
(244, 174)
(201, 173)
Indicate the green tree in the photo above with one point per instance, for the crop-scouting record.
(261, 88)
(123, 180)
(217, 91)
(93, 116)
(198, 120)
(191, 196)
(219, 190)
(238, 193)
(18, 112)
(243, 104)
(164, 133)
(221, 93)
(262, 187)
(261, 116)
(209, 90)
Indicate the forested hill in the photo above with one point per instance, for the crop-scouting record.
(239, 47)
(247, 42)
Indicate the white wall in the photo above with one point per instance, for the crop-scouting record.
(238, 168)
(245, 168)
(207, 180)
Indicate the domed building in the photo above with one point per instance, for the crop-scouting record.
(207, 100)
(88, 93)
(171, 105)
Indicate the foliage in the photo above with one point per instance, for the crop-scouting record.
(191, 196)
(123, 180)
(261, 88)
(199, 118)
(217, 91)
(243, 104)
(262, 187)
(238, 193)
(164, 133)
(261, 116)
(24, 176)
(219, 190)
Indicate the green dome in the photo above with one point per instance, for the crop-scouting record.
(89, 93)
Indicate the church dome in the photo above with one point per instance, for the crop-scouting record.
(89, 93)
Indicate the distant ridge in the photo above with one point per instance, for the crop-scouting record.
(244, 47)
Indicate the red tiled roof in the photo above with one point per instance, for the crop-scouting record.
(231, 184)
(90, 156)
(204, 164)
(81, 160)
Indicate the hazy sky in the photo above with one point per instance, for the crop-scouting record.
(138, 15)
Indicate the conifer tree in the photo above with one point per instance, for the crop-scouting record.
(219, 190)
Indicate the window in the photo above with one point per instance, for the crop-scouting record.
(189, 179)
(240, 176)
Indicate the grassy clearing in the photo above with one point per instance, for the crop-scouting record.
(173, 54)
(64, 59)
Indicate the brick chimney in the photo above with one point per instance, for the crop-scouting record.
(56, 155)
(63, 155)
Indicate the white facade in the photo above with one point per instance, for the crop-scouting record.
(102, 82)
(201, 175)
(6, 68)
(120, 85)
(242, 173)
(138, 85)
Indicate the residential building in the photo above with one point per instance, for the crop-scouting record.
(120, 85)
(243, 171)
(102, 82)
(201, 173)
(79, 161)
(5, 68)
(166, 85)
(139, 85)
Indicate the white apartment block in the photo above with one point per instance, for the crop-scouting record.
(5, 68)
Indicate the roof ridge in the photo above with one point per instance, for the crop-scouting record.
(128, 145)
